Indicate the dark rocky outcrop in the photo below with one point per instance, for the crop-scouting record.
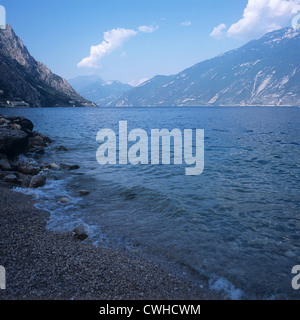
(17, 137)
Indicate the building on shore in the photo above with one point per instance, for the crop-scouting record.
(18, 103)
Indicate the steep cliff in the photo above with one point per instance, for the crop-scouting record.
(25, 79)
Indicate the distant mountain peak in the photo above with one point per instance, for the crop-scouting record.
(96, 89)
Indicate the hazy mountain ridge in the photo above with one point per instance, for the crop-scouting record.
(262, 72)
(24, 78)
(96, 89)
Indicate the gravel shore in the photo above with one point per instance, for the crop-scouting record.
(46, 265)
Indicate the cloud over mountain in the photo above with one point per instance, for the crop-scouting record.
(259, 17)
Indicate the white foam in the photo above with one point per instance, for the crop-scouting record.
(22, 159)
(222, 285)
(63, 217)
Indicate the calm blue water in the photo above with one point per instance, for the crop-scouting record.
(238, 223)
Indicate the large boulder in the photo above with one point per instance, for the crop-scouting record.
(12, 142)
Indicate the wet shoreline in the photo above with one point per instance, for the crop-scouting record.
(44, 264)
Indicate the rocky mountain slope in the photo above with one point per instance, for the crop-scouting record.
(24, 78)
(96, 89)
(262, 72)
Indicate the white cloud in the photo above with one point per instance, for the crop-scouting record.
(261, 16)
(148, 29)
(186, 23)
(218, 31)
(113, 39)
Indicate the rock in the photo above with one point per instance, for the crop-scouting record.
(29, 170)
(36, 150)
(45, 166)
(12, 142)
(3, 174)
(4, 125)
(16, 126)
(37, 182)
(41, 136)
(4, 163)
(25, 182)
(61, 148)
(54, 166)
(69, 167)
(84, 192)
(24, 123)
(64, 200)
(36, 141)
(11, 178)
(80, 233)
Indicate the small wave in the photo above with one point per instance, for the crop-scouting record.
(63, 217)
(225, 287)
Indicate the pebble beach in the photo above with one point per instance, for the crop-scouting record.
(48, 265)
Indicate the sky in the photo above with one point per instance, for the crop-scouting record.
(134, 40)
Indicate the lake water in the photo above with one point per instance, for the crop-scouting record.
(237, 224)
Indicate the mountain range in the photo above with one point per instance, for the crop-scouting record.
(262, 72)
(96, 89)
(25, 81)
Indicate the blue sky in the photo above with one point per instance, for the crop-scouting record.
(143, 37)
